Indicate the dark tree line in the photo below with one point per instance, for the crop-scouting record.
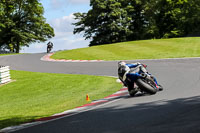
(111, 21)
(22, 23)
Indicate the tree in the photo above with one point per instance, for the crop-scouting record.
(189, 19)
(124, 20)
(23, 23)
(174, 18)
(114, 21)
(1, 15)
(106, 22)
(4, 21)
(138, 22)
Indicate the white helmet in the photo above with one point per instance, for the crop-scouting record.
(121, 63)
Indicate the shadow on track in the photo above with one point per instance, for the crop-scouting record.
(174, 116)
(15, 121)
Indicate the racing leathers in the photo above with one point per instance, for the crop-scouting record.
(124, 69)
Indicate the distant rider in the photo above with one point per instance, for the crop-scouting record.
(124, 69)
(49, 46)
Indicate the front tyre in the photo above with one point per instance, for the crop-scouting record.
(48, 50)
(147, 86)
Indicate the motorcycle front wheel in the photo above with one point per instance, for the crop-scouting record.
(48, 50)
(147, 86)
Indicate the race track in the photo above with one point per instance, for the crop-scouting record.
(174, 110)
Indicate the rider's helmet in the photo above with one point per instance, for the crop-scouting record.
(121, 68)
(121, 63)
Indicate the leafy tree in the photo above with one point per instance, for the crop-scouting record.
(174, 18)
(123, 20)
(105, 23)
(23, 24)
(5, 9)
(1, 15)
(114, 21)
(189, 19)
(136, 10)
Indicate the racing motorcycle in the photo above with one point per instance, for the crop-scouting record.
(49, 47)
(139, 81)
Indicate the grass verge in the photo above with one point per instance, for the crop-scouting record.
(146, 49)
(35, 95)
(9, 54)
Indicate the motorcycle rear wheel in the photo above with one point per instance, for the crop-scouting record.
(146, 86)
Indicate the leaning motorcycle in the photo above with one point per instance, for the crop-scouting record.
(140, 81)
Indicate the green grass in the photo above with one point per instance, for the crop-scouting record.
(8, 54)
(36, 95)
(146, 49)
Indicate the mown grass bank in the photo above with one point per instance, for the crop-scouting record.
(146, 49)
(9, 54)
(35, 95)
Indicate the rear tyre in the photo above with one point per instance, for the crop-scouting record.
(147, 86)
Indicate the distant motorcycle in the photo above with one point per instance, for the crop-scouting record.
(49, 47)
(140, 81)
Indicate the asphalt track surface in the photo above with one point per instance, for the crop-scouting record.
(174, 110)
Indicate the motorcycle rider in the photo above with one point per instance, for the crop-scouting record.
(49, 46)
(124, 69)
